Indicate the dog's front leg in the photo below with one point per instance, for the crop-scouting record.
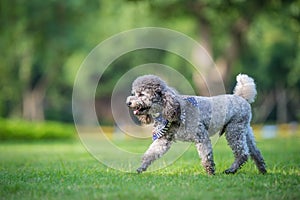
(158, 148)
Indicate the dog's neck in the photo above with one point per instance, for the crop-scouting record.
(161, 126)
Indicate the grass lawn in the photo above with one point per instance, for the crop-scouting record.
(64, 170)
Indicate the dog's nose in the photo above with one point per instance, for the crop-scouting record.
(129, 103)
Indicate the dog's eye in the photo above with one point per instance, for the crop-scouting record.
(132, 93)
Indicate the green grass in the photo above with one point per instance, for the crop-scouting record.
(64, 170)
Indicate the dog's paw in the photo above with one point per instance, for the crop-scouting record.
(262, 170)
(210, 170)
(229, 171)
(140, 170)
(211, 173)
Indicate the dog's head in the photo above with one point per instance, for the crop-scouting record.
(151, 96)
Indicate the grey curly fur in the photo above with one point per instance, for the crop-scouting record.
(196, 118)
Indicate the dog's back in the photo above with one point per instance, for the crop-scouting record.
(212, 112)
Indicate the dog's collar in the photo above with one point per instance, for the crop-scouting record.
(161, 129)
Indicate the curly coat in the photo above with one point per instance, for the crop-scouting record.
(195, 119)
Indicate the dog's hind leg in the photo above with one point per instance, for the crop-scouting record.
(254, 152)
(158, 148)
(236, 138)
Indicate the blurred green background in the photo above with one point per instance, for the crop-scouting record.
(43, 43)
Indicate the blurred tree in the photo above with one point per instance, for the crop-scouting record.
(273, 46)
(42, 44)
(37, 37)
(224, 29)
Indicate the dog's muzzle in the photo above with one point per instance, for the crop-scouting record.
(137, 106)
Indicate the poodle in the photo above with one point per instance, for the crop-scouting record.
(195, 119)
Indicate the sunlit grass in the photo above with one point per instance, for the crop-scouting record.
(64, 170)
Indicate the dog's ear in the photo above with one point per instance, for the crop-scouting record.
(171, 105)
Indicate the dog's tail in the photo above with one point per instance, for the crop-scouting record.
(245, 87)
